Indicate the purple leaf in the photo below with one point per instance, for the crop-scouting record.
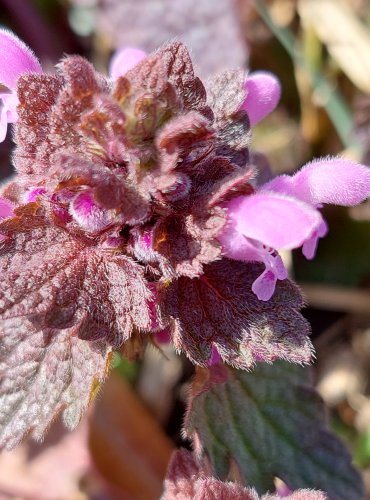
(230, 187)
(219, 309)
(180, 72)
(50, 111)
(44, 372)
(64, 302)
(54, 278)
(187, 243)
(226, 94)
(37, 95)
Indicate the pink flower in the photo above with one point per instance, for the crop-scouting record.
(263, 94)
(283, 214)
(124, 60)
(15, 60)
(6, 210)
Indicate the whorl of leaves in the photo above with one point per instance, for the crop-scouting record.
(128, 180)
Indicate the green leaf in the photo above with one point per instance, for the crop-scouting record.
(272, 423)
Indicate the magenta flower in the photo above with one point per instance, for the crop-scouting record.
(283, 214)
(6, 211)
(262, 95)
(16, 59)
(124, 60)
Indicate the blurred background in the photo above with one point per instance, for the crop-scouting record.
(320, 50)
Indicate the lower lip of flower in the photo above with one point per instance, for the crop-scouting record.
(88, 214)
(33, 193)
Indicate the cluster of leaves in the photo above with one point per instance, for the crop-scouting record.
(127, 182)
(118, 202)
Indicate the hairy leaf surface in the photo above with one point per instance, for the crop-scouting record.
(272, 423)
(59, 280)
(43, 372)
(226, 94)
(187, 480)
(64, 302)
(220, 309)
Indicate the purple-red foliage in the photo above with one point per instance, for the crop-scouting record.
(188, 480)
(128, 180)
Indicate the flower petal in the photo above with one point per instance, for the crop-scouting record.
(10, 103)
(331, 180)
(263, 94)
(88, 214)
(124, 60)
(264, 285)
(236, 246)
(3, 123)
(6, 209)
(215, 357)
(15, 59)
(310, 245)
(276, 221)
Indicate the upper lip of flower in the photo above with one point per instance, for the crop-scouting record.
(16, 59)
(283, 213)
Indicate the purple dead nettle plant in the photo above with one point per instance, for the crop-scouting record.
(136, 211)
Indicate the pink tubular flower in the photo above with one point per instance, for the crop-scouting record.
(124, 60)
(263, 94)
(15, 60)
(6, 210)
(283, 214)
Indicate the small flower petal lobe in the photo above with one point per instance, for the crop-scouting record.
(124, 60)
(15, 59)
(263, 94)
(277, 221)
